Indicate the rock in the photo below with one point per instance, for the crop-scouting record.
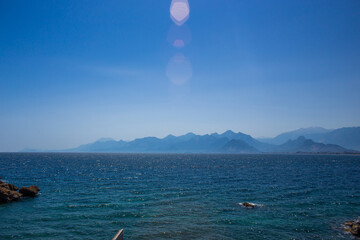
(9, 186)
(12, 187)
(248, 205)
(8, 192)
(353, 227)
(29, 191)
(349, 223)
(7, 195)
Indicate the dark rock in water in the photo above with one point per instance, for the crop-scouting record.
(349, 223)
(29, 191)
(8, 192)
(248, 205)
(12, 187)
(9, 186)
(353, 227)
(7, 195)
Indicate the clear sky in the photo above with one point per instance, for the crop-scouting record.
(75, 71)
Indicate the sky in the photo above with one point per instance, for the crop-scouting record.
(72, 72)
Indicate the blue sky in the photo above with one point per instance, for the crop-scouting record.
(75, 71)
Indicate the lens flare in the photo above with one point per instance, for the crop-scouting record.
(179, 69)
(178, 43)
(179, 36)
(179, 11)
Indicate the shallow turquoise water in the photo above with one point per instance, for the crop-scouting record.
(152, 196)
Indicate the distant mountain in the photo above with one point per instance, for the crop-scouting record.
(101, 145)
(348, 137)
(188, 143)
(227, 142)
(238, 146)
(301, 144)
(263, 147)
(292, 135)
(302, 140)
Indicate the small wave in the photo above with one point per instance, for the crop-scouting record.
(89, 206)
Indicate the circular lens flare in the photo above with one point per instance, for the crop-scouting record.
(178, 36)
(179, 11)
(179, 69)
(178, 43)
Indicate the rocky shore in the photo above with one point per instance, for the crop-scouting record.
(9, 192)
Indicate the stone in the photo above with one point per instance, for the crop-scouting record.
(248, 205)
(9, 186)
(7, 195)
(349, 223)
(29, 191)
(355, 229)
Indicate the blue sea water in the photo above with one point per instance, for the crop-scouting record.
(181, 196)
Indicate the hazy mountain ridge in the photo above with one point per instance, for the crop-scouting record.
(189, 143)
(301, 144)
(238, 146)
(347, 137)
(310, 133)
(227, 142)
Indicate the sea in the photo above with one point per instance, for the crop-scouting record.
(181, 196)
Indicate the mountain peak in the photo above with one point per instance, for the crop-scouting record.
(190, 134)
(229, 132)
(169, 136)
(105, 140)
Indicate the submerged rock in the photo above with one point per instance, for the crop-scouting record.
(248, 205)
(7, 195)
(29, 191)
(353, 227)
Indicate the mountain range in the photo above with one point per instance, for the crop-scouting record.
(348, 137)
(305, 140)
